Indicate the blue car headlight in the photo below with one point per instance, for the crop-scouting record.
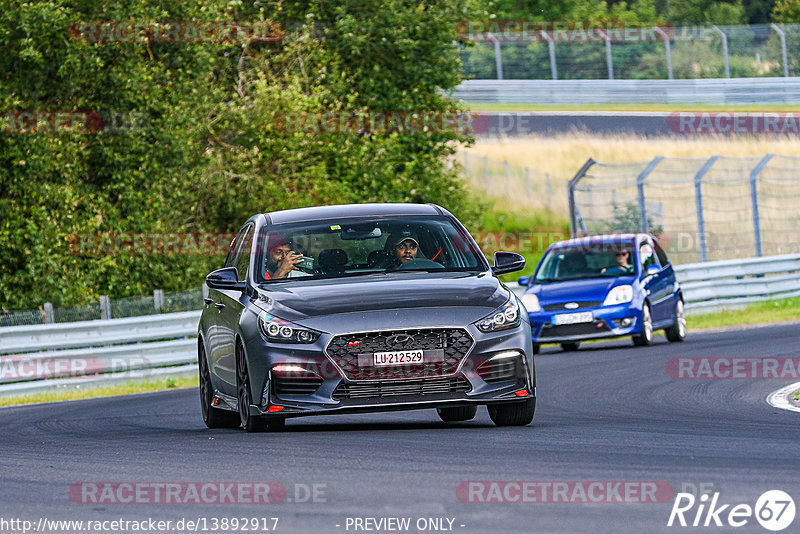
(505, 317)
(619, 295)
(277, 330)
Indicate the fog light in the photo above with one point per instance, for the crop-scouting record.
(627, 321)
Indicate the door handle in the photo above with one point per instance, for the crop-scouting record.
(219, 306)
(208, 301)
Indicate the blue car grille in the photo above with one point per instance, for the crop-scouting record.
(562, 305)
(573, 330)
(453, 344)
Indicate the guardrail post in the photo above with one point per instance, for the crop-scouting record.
(782, 35)
(698, 200)
(105, 307)
(158, 299)
(498, 59)
(667, 50)
(49, 313)
(640, 192)
(573, 210)
(551, 47)
(724, 50)
(754, 198)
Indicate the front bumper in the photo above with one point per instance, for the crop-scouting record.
(608, 322)
(495, 367)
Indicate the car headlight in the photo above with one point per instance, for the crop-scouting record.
(531, 302)
(279, 331)
(507, 316)
(619, 295)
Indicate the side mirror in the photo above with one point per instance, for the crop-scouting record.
(507, 262)
(523, 281)
(225, 278)
(653, 269)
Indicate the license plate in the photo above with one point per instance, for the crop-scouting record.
(398, 357)
(573, 318)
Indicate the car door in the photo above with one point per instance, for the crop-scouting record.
(670, 282)
(656, 284)
(229, 306)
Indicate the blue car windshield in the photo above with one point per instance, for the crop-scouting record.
(352, 247)
(581, 261)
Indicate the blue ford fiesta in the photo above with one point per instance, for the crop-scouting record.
(604, 286)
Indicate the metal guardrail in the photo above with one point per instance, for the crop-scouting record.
(700, 91)
(98, 352)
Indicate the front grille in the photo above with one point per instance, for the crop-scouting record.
(446, 346)
(397, 388)
(296, 386)
(500, 370)
(581, 329)
(561, 306)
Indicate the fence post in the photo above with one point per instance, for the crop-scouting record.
(551, 47)
(609, 60)
(754, 198)
(573, 210)
(667, 50)
(105, 307)
(49, 313)
(486, 172)
(158, 299)
(698, 200)
(782, 35)
(498, 59)
(640, 192)
(724, 50)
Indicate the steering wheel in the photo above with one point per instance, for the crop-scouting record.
(420, 263)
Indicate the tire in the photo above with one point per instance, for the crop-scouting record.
(570, 347)
(677, 332)
(250, 423)
(212, 417)
(536, 348)
(646, 337)
(459, 413)
(513, 414)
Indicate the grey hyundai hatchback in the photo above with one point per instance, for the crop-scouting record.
(362, 308)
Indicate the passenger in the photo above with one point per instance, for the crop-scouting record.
(281, 259)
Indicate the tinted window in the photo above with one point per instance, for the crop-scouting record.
(662, 256)
(230, 260)
(647, 256)
(243, 254)
(586, 261)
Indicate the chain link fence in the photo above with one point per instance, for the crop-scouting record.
(107, 308)
(704, 209)
(751, 51)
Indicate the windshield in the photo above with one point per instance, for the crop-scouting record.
(351, 247)
(586, 261)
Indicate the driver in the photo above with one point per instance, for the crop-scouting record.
(280, 259)
(403, 247)
(623, 265)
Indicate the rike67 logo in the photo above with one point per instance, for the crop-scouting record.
(774, 510)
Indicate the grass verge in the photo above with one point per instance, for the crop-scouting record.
(771, 311)
(105, 391)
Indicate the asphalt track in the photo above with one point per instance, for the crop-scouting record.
(609, 412)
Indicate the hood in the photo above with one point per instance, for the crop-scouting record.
(589, 290)
(299, 300)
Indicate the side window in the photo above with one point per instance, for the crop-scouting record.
(646, 255)
(230, 260)
(662, 256)
(243, 254)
